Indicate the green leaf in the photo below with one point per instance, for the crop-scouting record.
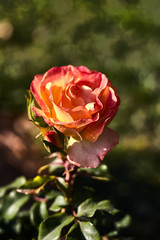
(15, 184)
(89, 231)
(51, 228)
(38, 213)
(34, 186)
(59, 203)
(11, 204)
(106, 205)
(73, 232)
(43, 210)
(124, 222)
(88, 208)
(112, 233)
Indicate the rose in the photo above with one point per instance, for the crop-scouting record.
(80, 104)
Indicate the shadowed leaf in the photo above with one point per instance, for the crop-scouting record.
(15, 184)
(73, 232)
(52, 227)
(38, 212)
(11, 204)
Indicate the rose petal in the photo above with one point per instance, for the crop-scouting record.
(75, 99)
(86, 154)
(57, 77)
(45, 116)
(92, 80)
(92, 131)
(112, 101)
(80, 113)
(68, 131)
(83, 69)
(78, 125)
(35, 89)
(61, 115)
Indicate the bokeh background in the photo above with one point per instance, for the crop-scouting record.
(117, 37)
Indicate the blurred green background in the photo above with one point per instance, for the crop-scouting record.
(117, 37)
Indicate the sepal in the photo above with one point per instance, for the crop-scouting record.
(39, 121)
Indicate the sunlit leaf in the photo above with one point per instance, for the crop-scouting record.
(15, 184)
(11, 204)
(89, 231)
(34, 186)
(89, 207)
(51, 228)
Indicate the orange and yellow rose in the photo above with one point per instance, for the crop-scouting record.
(79, 103)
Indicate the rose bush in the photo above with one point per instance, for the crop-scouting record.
(79, 103)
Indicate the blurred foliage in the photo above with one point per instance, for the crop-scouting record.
(119, 38)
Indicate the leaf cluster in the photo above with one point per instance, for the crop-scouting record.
(46, 207)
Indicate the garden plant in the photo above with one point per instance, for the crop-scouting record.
(72, 107)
